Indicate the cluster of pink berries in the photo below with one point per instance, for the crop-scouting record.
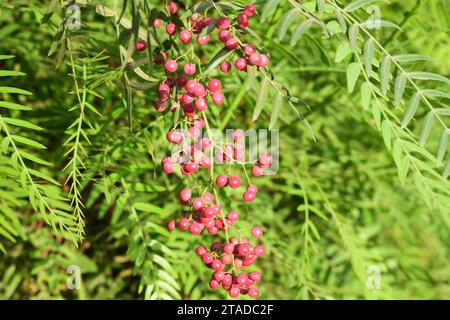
(192, 94)
(206, 215)
(234, 256)
(187, 89)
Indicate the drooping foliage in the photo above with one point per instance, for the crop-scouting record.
(358, 90)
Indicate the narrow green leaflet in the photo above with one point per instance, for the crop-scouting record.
(262, 96)
(427, 126)
(366, 94)
(399, 89)
(340, 18)
(14, 90)
(299, 31)
(21, 123)
(28, 142)
(385, 70)
(275, 111)
(411, 58)
(286, 22)
(268, 8)
(411, 110)
(353, 72)
(353, 33)
(368, 56)
(13, 106)
(420, 75)
(443, 144)
(432, 93)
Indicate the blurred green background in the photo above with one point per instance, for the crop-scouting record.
(336, 211)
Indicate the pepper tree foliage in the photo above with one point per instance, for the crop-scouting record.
(80, 144)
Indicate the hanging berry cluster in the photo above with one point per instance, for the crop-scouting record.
(187, 90)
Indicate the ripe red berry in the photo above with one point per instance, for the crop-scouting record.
(199, 123)
(190, 86)
(255, 276)
(217, 98)
(238, 134)
(195, 17)
(171, 66)
(241, 64)
(198, 203)
(168, 167)
(223, 23)
(203, 40)
(244, 249)
(227, 280)
(200, 250)
(141, 45)
(250, 10)
(208, 197)
(259, 250)
(265, 160)
(234, 292)
(224, 35)
(205, 143)
(171, 29)
(185, 195)
(257, 232)
(185, 36)
(187, 98)
(249, 49)
(172, 7)
(183, 224)
(228, 248)
(191, 167)
(163, 91)
(264, 61)
(233, 216)
(249, 196)
(225, 67)
(157, 23)
(221, 180)
(174, 137)
(214, 85)
(206, 162)
(219, 275)
(200, 90)
(201, 104)
(171, 225)
(253, 292)
(243, 19)
(227, 259)
(216, 209)
(241, 279)
(217, 265)
(160, 106)
(234, 182)
(255, 59)
(213, 231)
(214, 284)
(207, 258)
(257, 171)
(189, 69)
(231, 44)
(196, 228)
